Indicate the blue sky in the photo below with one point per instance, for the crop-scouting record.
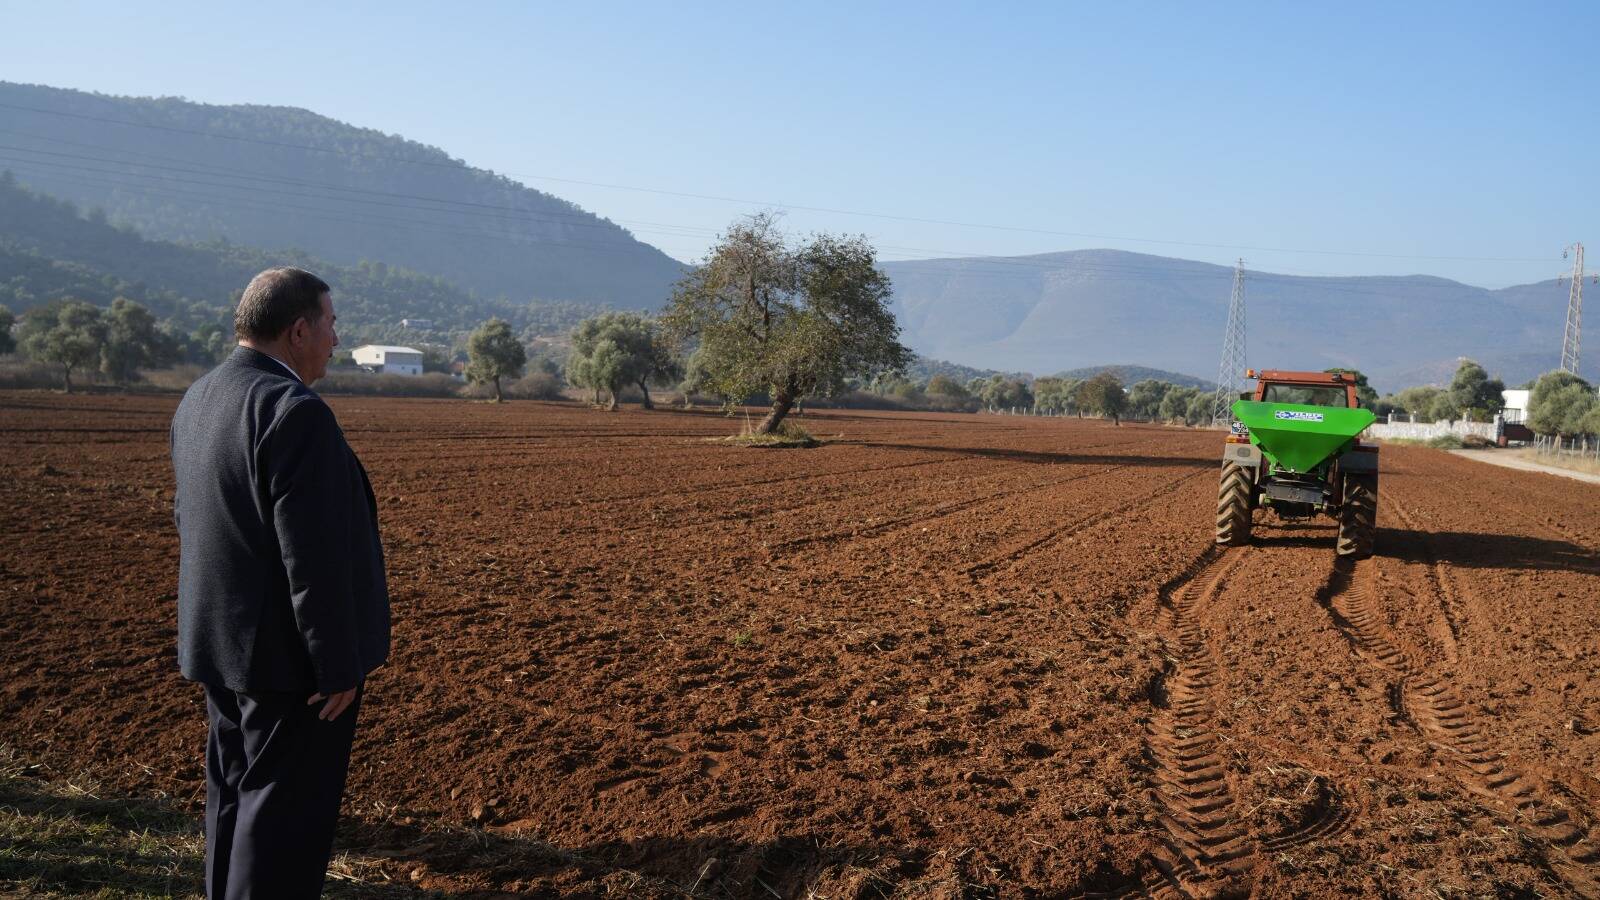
(1382, 138)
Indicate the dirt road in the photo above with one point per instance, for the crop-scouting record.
(940, 655)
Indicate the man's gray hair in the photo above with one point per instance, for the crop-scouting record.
(273, 301)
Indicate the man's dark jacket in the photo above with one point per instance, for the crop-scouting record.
(280, 575)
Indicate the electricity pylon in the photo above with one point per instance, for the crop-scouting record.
(1232, 368)
(1570, 337)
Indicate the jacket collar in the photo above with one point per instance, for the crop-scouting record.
(255, 359)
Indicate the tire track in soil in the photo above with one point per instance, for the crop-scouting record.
(1016, 554)
(1439, 580)
(890, 526)
(769, 510)
(1208, 852)
(1429, 701)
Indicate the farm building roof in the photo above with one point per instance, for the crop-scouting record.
(385, 348)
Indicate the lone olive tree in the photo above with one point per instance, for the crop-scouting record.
(493, 353)
(786, 320)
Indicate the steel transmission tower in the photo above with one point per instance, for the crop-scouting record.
(1569, 337)
(1232, 368)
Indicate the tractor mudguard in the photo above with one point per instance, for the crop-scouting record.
(1242, 454)
(1361, 461)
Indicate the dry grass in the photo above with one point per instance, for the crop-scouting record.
(789, 434)
(60, 837)
(1563, 461)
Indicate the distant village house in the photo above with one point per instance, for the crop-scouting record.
(385, 360)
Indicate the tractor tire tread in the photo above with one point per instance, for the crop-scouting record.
(1358, 516)
(1233, 505)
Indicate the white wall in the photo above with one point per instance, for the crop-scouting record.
(1418, 431)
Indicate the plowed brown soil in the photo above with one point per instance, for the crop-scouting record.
(937, 656)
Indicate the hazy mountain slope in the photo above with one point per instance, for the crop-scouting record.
(1076, 309)
(49, 252)
(192, 172)
(1130, 375)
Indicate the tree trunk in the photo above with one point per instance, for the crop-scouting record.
(611, 404)
(497, 389)
(782, 402)
(644, 389)
(66, 377)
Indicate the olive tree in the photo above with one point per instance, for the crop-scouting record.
(69, 333)
(1000, 392)
(615, 349)
(7, 342)
(1144, 398)
(786, 320)
(493, 353)
(1053, 395)
(1559, 404)
(1366, 395)
(1174, 406)
(1475, 393)
(1103, 394)
(134, 341)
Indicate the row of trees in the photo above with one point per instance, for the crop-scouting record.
(77, 337)
(1472, 395)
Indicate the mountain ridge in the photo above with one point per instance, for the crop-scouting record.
(281, 176)
(1072, 309)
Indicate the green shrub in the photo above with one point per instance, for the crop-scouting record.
(1446, 442)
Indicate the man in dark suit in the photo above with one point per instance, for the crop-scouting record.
(282, 604)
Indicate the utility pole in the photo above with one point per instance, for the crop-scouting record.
(1569, 337)
(1232, 368)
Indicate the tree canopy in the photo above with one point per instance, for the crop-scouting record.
(787, 320)
(616, 349)
(1103, 395)
(493, 353)
(1365, 394)
(69, 333)
(7, 319)
(1561, 404)
(133, 341)
(1473, 392)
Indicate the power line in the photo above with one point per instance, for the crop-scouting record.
(462, 167)
(984, 266)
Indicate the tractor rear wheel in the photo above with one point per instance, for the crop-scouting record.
(1233, 504)
(1358, 516)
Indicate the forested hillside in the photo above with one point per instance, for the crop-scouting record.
(274, 177)
(49, 251)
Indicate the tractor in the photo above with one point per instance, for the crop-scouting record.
(1293, 448)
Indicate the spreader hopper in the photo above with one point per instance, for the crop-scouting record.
(1296, 437)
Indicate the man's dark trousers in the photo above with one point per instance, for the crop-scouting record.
(274, 776)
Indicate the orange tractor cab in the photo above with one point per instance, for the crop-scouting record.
(1294, 448)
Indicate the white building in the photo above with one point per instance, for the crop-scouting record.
(1516, 405)
(389, 360)
(417, 324)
